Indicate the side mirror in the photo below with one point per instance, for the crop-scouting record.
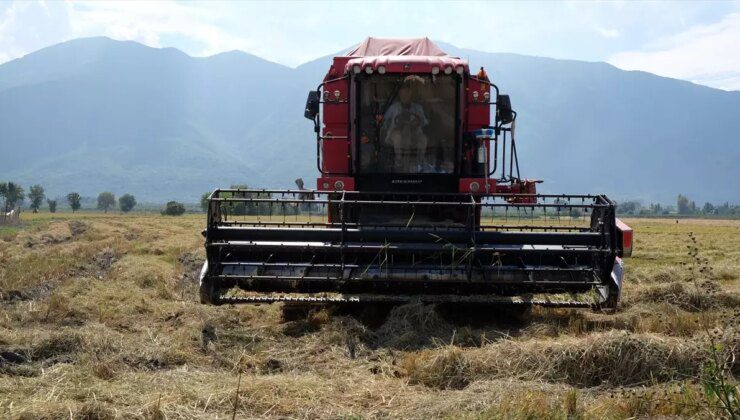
(312, 105)
(504, 113)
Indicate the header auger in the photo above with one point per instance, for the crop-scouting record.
(419, 198)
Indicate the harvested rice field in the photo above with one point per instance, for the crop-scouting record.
(99, 318)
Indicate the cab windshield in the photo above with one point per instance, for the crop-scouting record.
(407, 124)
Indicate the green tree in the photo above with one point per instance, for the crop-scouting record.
(237, 208)
(708, 208)
(36, 195)
(126, 203)
(13, 194)
(52, 205)
(683, 204)
(173, 208)
(204, 201)
(629, 207)
(106, 201)
(73, 199)
(560, 202)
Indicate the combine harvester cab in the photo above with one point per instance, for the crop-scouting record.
(419, 198)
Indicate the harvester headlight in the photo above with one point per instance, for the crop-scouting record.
(369, 70)
(339, 185)
(474, 186)
(460, 70)
(435, 70)
(448, 70)
(337, 94)
(381, 69)
(356, 69)
(475, 95)
(325, 185)
(486, 96)
(326, 95)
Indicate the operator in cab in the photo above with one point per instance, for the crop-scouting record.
(403, 123)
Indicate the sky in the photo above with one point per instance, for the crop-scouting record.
(695, 41)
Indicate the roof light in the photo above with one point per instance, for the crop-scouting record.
(448, 70)
(381, 69)
(369, 70)
(326, 95)
(486, 96)
(482, 74)
(460, 70)
(475, 95)
(337, 94)
(356, 69)
(435, 70)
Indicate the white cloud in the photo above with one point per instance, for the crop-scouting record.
(295, 32)
(28, 26)
(706, 54)
(608, 33)
(148, 22)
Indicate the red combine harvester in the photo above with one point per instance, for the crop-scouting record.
(419, 198)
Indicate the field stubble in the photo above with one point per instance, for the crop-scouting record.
(100, 320)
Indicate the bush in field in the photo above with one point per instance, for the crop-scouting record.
(73, 199)
(52, 205)
(173, 208)
(36, 195)
(126, 203)
(106, 201)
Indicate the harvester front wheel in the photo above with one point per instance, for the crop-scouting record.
(207, 290)
(208, 293)
(610, 305)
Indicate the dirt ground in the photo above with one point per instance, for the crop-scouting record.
(99, 318)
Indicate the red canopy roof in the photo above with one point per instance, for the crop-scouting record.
(387, 46)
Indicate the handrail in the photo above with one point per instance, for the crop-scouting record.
(317, 123)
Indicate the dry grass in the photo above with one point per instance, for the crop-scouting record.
(99, 319)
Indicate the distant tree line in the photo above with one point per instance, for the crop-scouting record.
(684, 206)
(13, 195)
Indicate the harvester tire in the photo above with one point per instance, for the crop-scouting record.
(295, 311)
(610, 305)
(208, 293)
(517, 314)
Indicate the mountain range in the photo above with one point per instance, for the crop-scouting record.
(96, 114)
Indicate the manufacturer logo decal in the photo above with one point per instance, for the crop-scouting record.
(406, 181)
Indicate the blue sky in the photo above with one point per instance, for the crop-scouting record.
(696, 41)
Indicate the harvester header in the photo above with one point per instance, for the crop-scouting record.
(419, 197)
